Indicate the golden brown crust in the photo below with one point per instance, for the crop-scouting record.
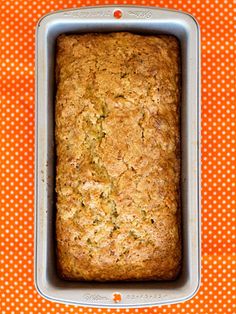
(118, 161)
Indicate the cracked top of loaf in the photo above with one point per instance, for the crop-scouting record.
(118, 157)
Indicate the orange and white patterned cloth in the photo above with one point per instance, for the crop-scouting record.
(217, 19)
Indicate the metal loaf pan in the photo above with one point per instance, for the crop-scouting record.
(145, 20)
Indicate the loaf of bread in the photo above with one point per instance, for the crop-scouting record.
(118, 157)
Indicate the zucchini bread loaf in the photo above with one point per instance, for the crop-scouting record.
(118, 157)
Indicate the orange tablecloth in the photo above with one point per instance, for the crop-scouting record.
(217, 20)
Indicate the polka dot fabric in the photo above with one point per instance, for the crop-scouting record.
(218, 21)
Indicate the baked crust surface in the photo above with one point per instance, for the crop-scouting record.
(118, 157)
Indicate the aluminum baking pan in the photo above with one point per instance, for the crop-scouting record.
(145, 20)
